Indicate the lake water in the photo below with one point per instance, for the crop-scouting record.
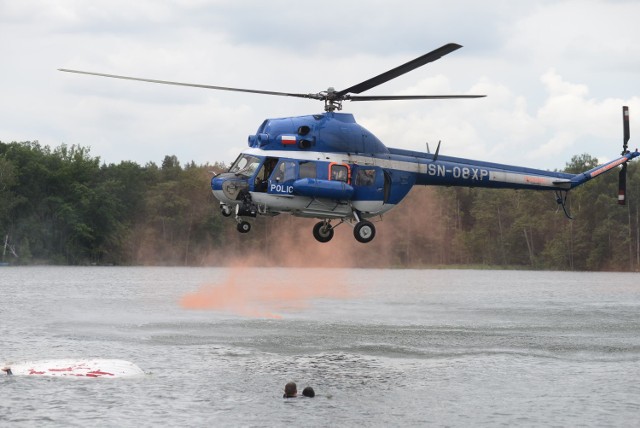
(380, 347)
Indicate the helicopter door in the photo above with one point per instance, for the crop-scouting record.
(369, 187)
(261, 181)
(282, 178)
(387, 186)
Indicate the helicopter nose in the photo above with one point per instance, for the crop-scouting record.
(216, 183)
(226, 187)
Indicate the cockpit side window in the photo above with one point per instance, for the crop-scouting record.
(245, 165)
(235, 163)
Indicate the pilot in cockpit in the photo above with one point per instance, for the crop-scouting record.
(262, 178)
(280, 173)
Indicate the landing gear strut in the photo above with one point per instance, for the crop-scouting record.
(246, 208)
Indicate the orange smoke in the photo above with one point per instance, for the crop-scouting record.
(265, 293)
(413, 234)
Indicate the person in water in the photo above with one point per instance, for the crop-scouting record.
(290, 390)
(308, 392)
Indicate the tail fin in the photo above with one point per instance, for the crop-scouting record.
(627, 155)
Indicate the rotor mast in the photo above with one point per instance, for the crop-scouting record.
(331, 101)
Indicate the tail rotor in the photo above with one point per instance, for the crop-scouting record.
(622, 176)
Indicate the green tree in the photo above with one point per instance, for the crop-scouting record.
(7, 197)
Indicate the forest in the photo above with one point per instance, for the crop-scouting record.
(63, 206)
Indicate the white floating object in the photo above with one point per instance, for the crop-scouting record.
(93, 368)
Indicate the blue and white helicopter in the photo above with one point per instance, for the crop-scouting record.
(327, 166)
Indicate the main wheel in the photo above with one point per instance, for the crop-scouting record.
(244, 227)
(225, 210)
(322, 232)
(364, 231)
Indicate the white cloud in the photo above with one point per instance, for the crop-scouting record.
(556, 74)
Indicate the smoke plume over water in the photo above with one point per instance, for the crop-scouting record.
(406, 236)
(266, 293)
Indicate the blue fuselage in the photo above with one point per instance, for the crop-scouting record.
(328, 162)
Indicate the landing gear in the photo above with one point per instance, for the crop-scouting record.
(246, 208)
(322, 231)
(561, 199)
(244, 227)
(364, 231)
(225, 210)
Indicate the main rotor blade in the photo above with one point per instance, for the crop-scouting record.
(399, 71)
(407, 97)
(195, 85)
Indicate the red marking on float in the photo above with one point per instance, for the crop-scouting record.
(98, 373)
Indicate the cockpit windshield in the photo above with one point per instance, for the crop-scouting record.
(245, 165)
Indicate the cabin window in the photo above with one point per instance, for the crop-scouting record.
(339, 172)
(285, 171)
(307, 169)
(365, 177)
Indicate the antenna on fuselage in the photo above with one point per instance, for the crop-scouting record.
(435, 156)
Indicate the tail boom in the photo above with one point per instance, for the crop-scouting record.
(601, 169)
(449, 171)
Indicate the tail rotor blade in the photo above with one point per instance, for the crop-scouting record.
(625, 127)
(622, 175)
(622, 185)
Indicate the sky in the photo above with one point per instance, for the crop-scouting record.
(556, 74)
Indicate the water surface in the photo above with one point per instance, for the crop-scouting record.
(380, 347)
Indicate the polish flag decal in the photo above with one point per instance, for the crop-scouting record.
(288, 139)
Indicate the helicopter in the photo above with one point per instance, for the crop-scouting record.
(327, 166)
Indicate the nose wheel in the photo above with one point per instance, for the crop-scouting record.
(244, 227)
(225, 210)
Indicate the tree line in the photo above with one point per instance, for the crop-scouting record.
(63, 206)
